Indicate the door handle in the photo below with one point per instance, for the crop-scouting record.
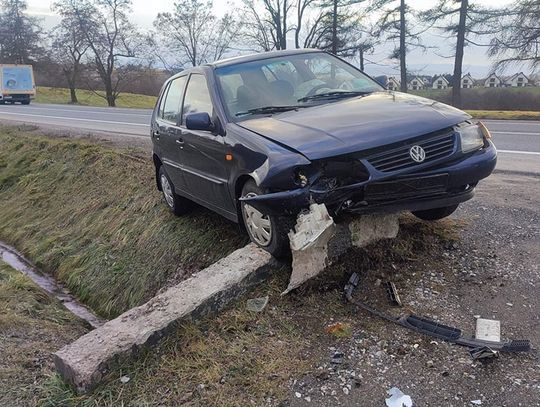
(179, 141)
(155, 134)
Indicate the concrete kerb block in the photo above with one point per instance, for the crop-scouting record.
(84, 362)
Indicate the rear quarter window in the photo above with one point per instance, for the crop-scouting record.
(173, 99)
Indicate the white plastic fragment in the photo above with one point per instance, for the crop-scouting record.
(477, 402)
(488, 330)
(124, 379)
(398, 398)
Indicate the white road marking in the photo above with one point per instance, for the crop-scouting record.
(515, 132)
(76, 119)
(519, 152)
(37, 109)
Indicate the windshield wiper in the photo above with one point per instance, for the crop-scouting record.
(269, 109)
(333, 95)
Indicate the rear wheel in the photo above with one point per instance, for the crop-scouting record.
(436, 213)
(269, 232)
(176, 203)
(25, 102)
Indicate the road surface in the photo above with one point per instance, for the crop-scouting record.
(518, 141)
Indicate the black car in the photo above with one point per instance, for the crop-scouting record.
(258, 138)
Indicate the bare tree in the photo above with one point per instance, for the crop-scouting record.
(519, 39)
(303, 7)
(267, 23)
(68, 48)
(195, 33)
(394, 26)
(20, 34)
(109, 35)
(463, 19)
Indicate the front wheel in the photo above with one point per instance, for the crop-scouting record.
(436, 213)
(269, 232)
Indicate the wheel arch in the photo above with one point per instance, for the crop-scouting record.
(157, 166)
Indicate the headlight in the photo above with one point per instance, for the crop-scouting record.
(471, 135)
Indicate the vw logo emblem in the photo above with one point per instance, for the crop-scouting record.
(417, 153)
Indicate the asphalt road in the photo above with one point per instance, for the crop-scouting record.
(518, 141)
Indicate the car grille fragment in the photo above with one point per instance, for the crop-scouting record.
(399, 158)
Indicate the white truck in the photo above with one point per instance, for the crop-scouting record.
(17, 84)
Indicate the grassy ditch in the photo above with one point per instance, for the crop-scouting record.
(505, 114)
(61, 96)
(90, 215)
(242, 358)
(32, 326)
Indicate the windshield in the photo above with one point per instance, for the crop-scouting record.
(293, 81)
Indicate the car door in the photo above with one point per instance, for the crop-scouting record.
(168, 132)
(204, 162)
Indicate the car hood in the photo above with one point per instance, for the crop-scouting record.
(355, 124)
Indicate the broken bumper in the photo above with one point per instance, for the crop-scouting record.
(446, 185)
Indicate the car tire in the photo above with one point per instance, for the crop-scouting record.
(436, 213)
(25, 102)
(269, 232)
(176, 203)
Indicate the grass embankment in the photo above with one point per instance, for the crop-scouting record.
(32, 326)
(243, 359)
(91, 215)
(88, 98)
(504, 115)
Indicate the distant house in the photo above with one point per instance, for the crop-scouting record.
(416, 84)
(393, 84)
(440, 82)
(517, 81)
(467, 82)
(493, 81)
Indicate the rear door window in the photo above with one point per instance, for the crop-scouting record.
(197, 98)
(173, 100)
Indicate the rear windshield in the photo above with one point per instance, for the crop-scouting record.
(285, 81)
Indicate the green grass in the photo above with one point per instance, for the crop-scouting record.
(32, 326)
(504, 115)
(91, 216)
(88, 98)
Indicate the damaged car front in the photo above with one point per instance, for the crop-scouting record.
(361, 148)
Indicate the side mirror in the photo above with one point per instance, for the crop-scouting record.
(199, 121)
(382, 80)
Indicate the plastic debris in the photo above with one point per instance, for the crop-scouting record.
(125, 379)
(483, 352)
(488, 330)
(477, 402)
(398, 398)
(393, 295)
(257, 304)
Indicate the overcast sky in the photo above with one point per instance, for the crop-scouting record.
(430, 62)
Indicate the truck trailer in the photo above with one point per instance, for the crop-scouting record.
(17, 84)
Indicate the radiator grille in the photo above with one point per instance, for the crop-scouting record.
(399, 158)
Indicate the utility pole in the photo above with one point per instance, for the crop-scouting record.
(334, 28)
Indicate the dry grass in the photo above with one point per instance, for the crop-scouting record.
(504, 114)
(91, 215)
(32, 326)
(241, 358)
(88, 98)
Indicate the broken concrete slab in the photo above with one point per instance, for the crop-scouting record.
(309, 244)
(84, 362)
(317, 241)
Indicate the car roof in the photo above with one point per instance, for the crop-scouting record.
(260, 56)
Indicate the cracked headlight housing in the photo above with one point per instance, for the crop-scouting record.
(471, 136)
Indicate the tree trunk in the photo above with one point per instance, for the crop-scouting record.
(402, 47)
(73, 94)
(458, 63)
(361, 55)
(334, 28)
(109, 93)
